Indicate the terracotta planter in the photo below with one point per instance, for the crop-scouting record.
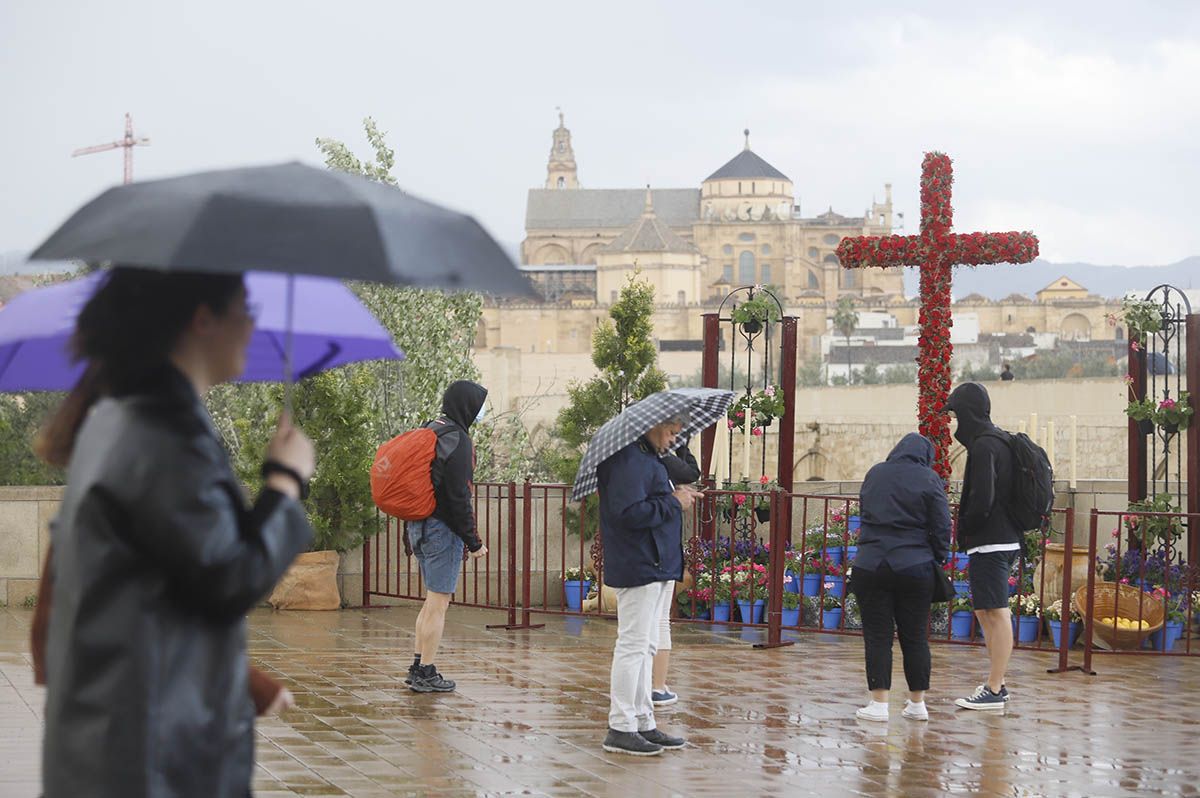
(309, 584)
(1052, 564)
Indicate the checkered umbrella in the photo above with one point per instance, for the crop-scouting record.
(703, 406)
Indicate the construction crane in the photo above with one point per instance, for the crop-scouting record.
(127, 144)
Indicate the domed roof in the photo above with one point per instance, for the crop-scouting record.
(747, 164)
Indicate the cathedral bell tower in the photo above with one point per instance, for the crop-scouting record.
(560, 171)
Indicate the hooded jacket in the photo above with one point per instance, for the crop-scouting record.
(454, 466)
(640, 519)
(156, 560)
(905, 514)
(983, 518)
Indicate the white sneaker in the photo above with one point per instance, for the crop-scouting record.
(915, 711)
(875, 710)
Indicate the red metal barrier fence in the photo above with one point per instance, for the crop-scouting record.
(781, 561)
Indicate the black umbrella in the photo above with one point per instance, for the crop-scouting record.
(288, 218)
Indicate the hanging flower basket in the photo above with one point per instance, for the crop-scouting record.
(754, 312)
(764, 406)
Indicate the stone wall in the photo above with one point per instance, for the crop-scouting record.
(25, 515)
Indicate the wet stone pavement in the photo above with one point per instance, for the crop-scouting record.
(531, 709)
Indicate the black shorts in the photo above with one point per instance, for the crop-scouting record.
(988, 576)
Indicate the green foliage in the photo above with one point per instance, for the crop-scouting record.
(811, 374)
(760, 308)
(350, 411)
(623, 351)
(21, 416)
(1065, 363)
(845, 319)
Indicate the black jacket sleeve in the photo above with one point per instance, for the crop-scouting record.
(455, 504)
(221, 559)
(937, 509)
(981, 465)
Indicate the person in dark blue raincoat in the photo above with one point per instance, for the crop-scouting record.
(905, 535)
(640, 516)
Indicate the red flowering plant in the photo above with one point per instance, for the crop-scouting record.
(764, 406)
(749, 580)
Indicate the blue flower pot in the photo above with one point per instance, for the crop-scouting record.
(835, 554)
(790, 617)
(720, 612)
(831, 619)
(851, 553)
(836, 586)
(1166, 638)
(960, 624)
(961, 560)
(575, 590)
(812, 584)
(1012, 590)
(962, 588)
(752, 613)
(1025, 628)
(1073, 630)
(854, 523)
(791, 582)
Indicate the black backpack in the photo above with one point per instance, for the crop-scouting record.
(1032, 481)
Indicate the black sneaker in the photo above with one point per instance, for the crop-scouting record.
(411, 670)
(632, 743)
(428, 680)
(983, 698)
(665, 740)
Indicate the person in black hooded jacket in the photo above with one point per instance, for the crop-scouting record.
(905, 534)
(438, 541)
(987, 533)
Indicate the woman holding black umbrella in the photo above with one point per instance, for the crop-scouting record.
(156, 557)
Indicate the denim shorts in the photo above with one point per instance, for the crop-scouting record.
(988, 575)
(440, 553)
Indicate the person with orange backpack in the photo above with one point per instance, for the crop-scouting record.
(424, 476)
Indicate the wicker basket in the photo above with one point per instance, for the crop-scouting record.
(1131, 600)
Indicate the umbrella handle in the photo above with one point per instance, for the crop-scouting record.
(288, 368)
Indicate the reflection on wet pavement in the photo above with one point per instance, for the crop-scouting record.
(531, 710)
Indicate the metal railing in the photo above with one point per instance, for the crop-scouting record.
(780, 561)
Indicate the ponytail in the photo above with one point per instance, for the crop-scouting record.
(56, 439)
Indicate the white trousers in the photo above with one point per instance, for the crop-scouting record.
(639, 611)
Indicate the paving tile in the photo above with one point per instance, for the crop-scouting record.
(531, 710)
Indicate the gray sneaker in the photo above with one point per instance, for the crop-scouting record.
(665, 740)
(428, 680)
(632, 743)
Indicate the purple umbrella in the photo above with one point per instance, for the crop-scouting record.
(328, 326)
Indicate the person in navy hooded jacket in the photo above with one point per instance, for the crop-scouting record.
(905, 536)
(641, 511)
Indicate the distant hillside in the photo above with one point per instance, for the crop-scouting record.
(997, 282)
(18, 263)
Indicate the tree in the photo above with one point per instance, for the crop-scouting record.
(810, 374)
(623, 351)
(349, 411)
(845, 321)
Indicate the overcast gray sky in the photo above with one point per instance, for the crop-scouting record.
(1078, 122)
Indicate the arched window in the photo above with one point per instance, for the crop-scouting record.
(746, 268)
(813, 281)
(682, 297)
(562, 146)
(831, 239)
(814, 253)
(727, 272)
(848, 278)
(562, 182)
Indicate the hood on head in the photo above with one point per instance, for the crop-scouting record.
(973, 408)
(462, 401)
(914, 447)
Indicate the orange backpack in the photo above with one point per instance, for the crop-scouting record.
(402, 474)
